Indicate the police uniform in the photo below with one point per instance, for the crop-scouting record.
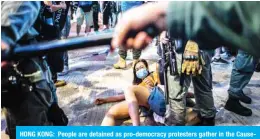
(213, 24)
(17, 28)
(243, 69)
(178, 86)
(126, 5)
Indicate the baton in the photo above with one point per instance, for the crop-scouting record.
(43, 48)
(68, 44)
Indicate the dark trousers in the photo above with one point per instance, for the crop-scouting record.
(56, 63)
(33, 110)
(95, 20)
(202, 90)
(107, 13)
(243, 69)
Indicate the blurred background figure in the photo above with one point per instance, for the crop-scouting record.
(95, 8)
(84, 12)
(107, 14)
(216, 59)
(53, 16)
(223, 55)
(64, 35)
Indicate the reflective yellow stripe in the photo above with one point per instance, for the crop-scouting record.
(34, 77)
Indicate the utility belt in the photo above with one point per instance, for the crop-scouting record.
(18, 80)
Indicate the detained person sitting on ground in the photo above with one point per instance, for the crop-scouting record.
(144, 92)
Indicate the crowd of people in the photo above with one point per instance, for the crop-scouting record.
(192, 32)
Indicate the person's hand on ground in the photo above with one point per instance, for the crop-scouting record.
(130, 31)
(100, 101)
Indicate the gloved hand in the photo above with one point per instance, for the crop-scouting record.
(191, 59)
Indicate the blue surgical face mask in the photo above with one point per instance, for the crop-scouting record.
(142, 73)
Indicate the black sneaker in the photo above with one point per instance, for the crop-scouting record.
(233, 105)
(7, 131)
(219, 61)
(206, 121)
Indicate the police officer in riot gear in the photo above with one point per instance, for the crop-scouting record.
(27, 89)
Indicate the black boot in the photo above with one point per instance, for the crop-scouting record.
(190, 102)
(242, 97)
(206, 121)
(234, 105)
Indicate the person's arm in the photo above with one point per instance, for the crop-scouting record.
(115, 98)
(55, 8)
(17, 18)
(212, 24)
(99, 101)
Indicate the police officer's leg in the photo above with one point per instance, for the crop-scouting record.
(177, 103)
(203, 92)
(56, 63)
(121, 64)
(242, 72)
(186, 85)
(33, 110)
(136, 55)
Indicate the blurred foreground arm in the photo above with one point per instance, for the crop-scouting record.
(210, 24)
(17, 19)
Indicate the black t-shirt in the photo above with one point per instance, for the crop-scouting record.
(85, 5)
(46, 10)
(61, 15)
(47, 31)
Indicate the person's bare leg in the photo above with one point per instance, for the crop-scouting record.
(135, 96)
(116, 112)
(87, 29)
